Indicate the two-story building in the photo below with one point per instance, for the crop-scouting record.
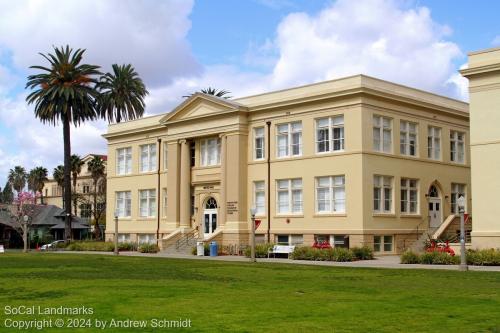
(355, 161)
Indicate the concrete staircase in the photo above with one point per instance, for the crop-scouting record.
(182, 243)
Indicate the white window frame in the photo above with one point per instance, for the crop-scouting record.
(164, 202)
(289, 131)
(457, 189)
(381, 184)
(434, 143)
(126, 197)
(123, 238)
(293, 189)
(259, 189)
(334, 123)
(292, 239)
(259, 140)
(408, 130)
(149, 195)
(147, 151)
(382, 242)
(457, 154)
(124, 156)
(146, 239)
(165, 156)
(382, 125)
(332, 201)
(208, 146)
(409, 187)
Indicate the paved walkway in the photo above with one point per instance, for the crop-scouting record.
(379, 262)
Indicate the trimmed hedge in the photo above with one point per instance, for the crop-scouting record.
(148, 248)
(487, 257)
(261, 250)
(429, 258)
(100, 246)
(333, 254)
(363, 253)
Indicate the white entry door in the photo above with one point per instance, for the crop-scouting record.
(209, 221)
(435, 212)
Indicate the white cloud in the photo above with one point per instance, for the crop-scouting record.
(496, 41)
(149, 34)
(373, 37)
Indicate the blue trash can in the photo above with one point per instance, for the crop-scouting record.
(213, 249)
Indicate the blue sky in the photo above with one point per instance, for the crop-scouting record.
(245, 46)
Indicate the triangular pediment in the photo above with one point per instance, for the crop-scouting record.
(200, 106)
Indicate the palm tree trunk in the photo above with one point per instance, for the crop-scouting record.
(67, 177)
(75, 205)
(97, 230)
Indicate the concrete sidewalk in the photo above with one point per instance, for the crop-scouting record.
(379, 262)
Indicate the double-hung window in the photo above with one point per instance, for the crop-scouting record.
(382, 243)
(259, 197)
(289, 139)
(457, 146)
(330, 134)
(289, 193)
(457, 190)
(259, 141)
(434, 143)
(210, 152)
(330, 194)
(408, 138)
(382, 194)
(165, 156)
(382, 134)
(409, 196)
(147, 203)
(124, 161)
(148, 158)
(164, 208)
(123, 203)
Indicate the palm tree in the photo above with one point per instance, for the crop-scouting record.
(213, 92)
(76, 169)
(64, 92)
(97, 169)
(122, 94)
(17, 178)
(58, 175)
(37, 177)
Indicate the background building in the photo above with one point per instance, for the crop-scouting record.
(483, 73)
(355, 161)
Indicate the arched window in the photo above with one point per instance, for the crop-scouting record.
(211, 204)
(433, 192)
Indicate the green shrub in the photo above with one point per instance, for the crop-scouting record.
(334, 254)
(410, 257)
(438, 258)
(261, 250)
(100, 246)
(206, 250)
(363, 253)
(486, 257)
(148, 248)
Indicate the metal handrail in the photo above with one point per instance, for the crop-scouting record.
(184, 240)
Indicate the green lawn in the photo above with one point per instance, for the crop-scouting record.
(241, 297)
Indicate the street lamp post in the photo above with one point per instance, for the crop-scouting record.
(25, 232)
(461, 210)
(253, 211)
(116, 234)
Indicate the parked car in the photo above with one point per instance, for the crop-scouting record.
(51, 246)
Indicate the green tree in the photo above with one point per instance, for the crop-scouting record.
(64, 92)
(7, 194)
(76, 169)
(37, 179)
(17, 178)
(122, 94)
(58, 175)
(221, 93)
(97, 171)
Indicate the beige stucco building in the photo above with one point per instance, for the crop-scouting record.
(355, 161)
(53, 193)
(483, 73)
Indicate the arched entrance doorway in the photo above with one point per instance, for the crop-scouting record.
(210, 216)
(435, 207)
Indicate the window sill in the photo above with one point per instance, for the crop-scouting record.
(280, 158)
(384, 215)
(410, 216)
(147, 172)
(127, 218)
(330, 152)
(330, 215)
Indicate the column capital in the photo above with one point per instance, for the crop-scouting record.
(183, 141)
